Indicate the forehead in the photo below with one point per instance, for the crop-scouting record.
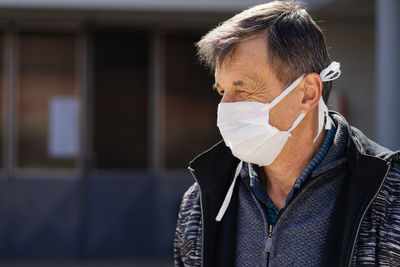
(249, 58)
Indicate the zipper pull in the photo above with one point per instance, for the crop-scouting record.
(269, 239)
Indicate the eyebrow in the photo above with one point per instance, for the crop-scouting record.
(235, 83)
(238, 83)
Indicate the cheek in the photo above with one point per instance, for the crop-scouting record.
(283, 114)
(261, 97)
(256, 98)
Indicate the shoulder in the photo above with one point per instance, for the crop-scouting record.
(390, 190)
(389, 194)
(394, 170)
(380, 231)
(386, 206)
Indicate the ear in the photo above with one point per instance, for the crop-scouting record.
(312, 85)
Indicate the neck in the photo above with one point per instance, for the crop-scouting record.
(280, 176)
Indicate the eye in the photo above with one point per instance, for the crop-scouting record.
(219, 91)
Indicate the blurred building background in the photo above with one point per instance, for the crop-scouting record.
(104, 104)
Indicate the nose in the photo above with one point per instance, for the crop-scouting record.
(228, 97)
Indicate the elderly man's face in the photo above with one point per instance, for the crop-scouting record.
(247, 77)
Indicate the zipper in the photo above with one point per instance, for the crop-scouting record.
(364, 212)
(268, 244)
(202, 216)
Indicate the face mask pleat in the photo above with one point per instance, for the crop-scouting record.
(257, 136)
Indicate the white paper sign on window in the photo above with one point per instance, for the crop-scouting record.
(63, 127)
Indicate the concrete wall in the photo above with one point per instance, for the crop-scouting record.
(352, 43)
(349, 27)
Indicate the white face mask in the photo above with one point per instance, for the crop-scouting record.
(245, 126)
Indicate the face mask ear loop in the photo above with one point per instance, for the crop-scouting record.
(228, 196)
(321, 117)
(330, 73)
(296, 122)
(286, 91)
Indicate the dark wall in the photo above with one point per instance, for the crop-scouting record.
(102, 217)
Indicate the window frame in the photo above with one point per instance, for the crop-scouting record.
(84, 71)
(13, 115)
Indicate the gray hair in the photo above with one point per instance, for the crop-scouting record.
(295, 43)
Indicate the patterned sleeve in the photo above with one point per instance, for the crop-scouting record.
(379, 238)
(184, 216)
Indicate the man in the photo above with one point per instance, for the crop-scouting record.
(291, 184)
